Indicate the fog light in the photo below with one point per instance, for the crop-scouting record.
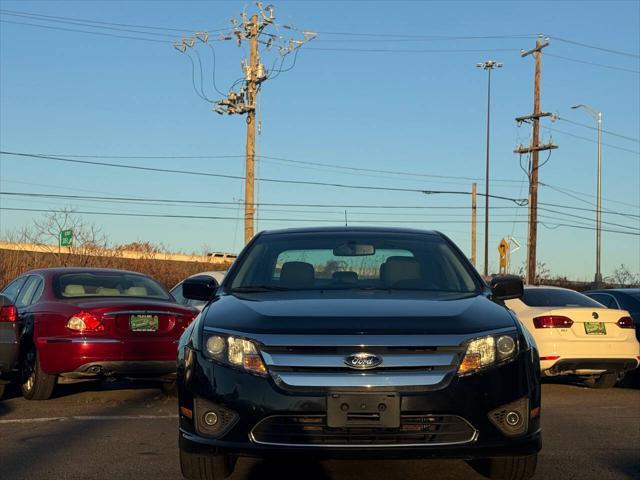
(210, 418)
(512, 418)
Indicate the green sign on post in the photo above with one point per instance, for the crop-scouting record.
(66, 238)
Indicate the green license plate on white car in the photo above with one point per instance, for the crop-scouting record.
(595, 328)
(143, 323)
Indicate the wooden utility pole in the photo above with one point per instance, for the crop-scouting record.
(252, 90)
(254, 73)
(534, 150)
(473, 223)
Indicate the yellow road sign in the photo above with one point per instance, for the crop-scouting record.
(503, 247)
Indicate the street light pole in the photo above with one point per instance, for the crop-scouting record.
(597, 116)
(488, 66)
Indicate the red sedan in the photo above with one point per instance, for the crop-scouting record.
(88, 322)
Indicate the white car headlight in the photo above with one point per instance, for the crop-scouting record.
(486, 351)
(236, 352)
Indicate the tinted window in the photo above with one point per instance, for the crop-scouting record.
(177, 294)
(552, 297)
(108, 284)
(355, 260)
(606, 300)
(27, 291)
(11, 290)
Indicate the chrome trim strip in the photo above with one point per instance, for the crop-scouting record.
(338, 361)
(473, 438)
(361, 380)
(142, 312)
(82, 340)
(358, 341)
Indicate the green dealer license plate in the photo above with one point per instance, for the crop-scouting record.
(595, 328)
(143, 323)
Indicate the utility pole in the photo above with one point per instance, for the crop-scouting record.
(252, 81)
(245, 100)
(489, 65)
(598, 117)
(473, 223)
(534, 150)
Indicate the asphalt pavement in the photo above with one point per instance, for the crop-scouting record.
(123, 430)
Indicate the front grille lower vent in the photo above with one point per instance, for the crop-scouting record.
(312, 430)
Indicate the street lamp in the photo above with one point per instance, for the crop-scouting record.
(488, 66)
(597, 116)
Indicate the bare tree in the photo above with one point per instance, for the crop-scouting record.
(88, 238)
(624, 277)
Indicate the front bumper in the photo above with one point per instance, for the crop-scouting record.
(255, 398)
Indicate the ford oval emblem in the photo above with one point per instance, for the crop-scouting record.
(363, 361)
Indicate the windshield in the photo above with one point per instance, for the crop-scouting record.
(554, 297)
(344, 261)
(108, 284)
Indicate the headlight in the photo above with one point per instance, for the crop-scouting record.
(236, 352)
(487, 351)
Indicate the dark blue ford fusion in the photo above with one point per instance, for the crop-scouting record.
(357, 342)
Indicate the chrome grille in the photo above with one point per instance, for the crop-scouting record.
(312, 430)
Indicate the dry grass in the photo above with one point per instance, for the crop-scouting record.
(168, 272)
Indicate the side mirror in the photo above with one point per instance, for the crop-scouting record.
(200, 287)
(507, 287)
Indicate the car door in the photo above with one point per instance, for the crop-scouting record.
(10, 326)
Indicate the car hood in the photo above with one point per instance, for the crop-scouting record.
(356, 312)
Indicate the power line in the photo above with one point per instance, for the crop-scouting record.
(306, 220)
(104, 34)
(157, 201)
(586, 139)
(398, 50)
(610, 67)
(594, 47)
(16, 13)
(273, 180)
(591, 127)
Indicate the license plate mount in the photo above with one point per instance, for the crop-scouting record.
(143, 323)
(363, 410)
(595, 328)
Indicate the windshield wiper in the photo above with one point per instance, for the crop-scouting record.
(259, 288)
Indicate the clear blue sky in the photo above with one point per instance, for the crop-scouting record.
(71, 93)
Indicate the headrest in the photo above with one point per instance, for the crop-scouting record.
(107, 292)
(297, 275)
(73, 290)
(345, 277)
(136, 291)
(398, 269)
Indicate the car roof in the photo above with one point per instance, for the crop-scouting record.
(347, 229)
(61, 270)
(614, 290)
(211, 273)
(550, 287)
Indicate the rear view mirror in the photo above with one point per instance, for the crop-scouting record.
(200, 287)
(507, 287)
(353, 249)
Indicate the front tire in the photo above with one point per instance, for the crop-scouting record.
(506, 468)
(36, 384)
(206, 467)
(606, 380)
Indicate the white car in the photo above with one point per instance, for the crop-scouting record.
(177, 290)
(577, 335)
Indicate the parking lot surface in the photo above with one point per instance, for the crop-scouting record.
(123, 430)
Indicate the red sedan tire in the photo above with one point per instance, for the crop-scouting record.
(36, 384)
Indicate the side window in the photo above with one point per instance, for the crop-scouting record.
(37, 292)
(606, 300)
(30, 286)
(177, 294)
(11, 290)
